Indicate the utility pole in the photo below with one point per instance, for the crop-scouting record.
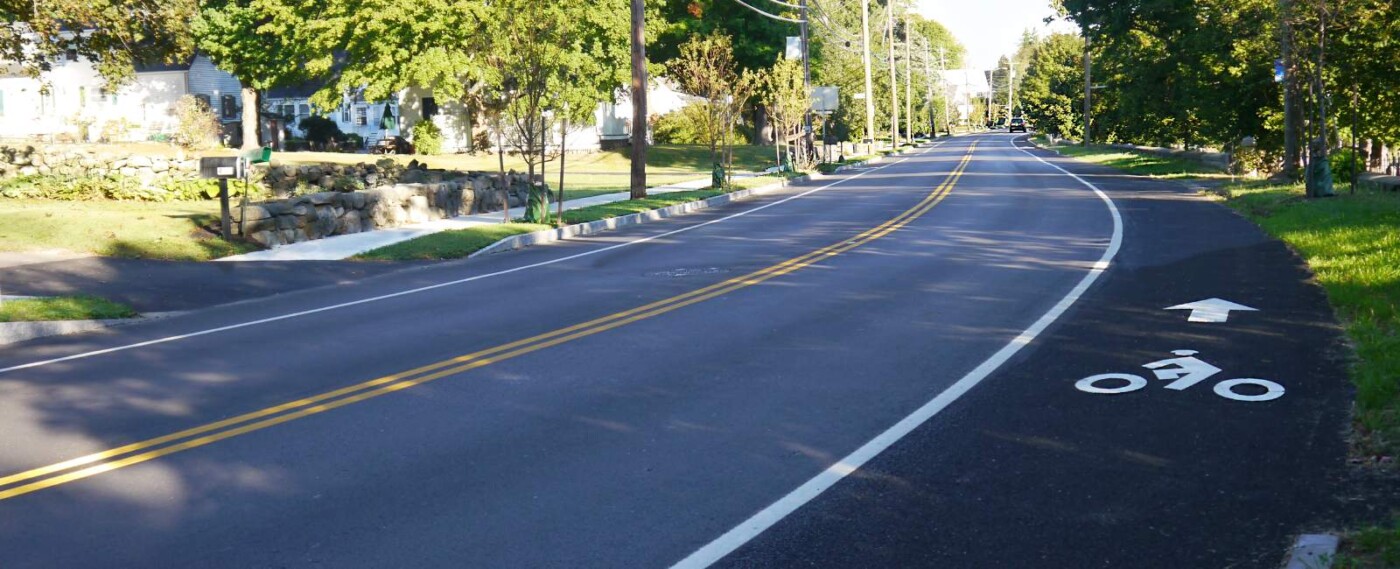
(943, 70)
(807, 85)
(1010, 91)
(894, 76)
(869, 83)
(639, 103)
(908, 80)
(928, 72)
(1292, 153)
(1088, 89)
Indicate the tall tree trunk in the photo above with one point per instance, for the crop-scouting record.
(563, 150)
(250, 118)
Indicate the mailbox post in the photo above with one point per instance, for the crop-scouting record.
(222, 168)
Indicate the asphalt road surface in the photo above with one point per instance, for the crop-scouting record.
(877, 369)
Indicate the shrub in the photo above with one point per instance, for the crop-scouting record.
(320, 131)
(1345, 164)
(116, 130)
(682, 126)
(197, 127)
(427, 137)
(354, 141)
(116, 187)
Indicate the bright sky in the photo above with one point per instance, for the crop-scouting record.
(990, 29)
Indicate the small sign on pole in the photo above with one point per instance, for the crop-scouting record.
(825, 99)
(794, 47)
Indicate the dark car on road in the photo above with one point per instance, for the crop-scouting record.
(1017, 125)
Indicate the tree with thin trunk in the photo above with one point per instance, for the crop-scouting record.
(706, 69)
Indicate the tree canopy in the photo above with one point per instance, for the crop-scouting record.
(115, 34)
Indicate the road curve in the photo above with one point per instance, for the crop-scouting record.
(583, 405)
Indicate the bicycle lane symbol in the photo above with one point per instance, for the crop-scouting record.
(1186, 370)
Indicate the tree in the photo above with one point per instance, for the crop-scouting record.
(706, 69)
(788, 100)
(243, 38)
(115, 34)
(1052, 92)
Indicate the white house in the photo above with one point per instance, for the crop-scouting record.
(963, 87)
(72, 94)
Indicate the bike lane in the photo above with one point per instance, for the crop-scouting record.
(1136, 432)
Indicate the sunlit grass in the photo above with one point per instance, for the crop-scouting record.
(449, 244)
(171, 231)
(1141, 163)
(62, 308)
(1352, 243)
(1370, 548)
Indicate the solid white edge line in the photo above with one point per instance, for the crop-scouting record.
(765, 518)
(219, 329)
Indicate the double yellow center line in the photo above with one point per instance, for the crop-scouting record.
(151, 449)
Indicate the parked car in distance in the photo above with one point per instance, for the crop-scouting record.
(1017, 125)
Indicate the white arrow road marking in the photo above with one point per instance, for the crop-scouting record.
(1211, 310)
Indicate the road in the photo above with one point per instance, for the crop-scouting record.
(877, 369)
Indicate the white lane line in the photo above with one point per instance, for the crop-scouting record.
(439, 285)
(765, 518)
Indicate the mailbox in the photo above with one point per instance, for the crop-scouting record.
(222, 167)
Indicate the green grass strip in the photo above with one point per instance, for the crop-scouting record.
(1141, 163)
(448, 244)
(63, 308)
(1352, 243)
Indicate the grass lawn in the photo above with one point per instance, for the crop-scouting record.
(1140, 163)
(448, 244)
(463, 242)
(1371, 548)
(170, 231)
(587, 174)
(62, 308)
(1352, 243)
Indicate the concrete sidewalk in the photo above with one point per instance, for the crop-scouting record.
(346, 246)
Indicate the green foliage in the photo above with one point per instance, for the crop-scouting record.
(320, 131)
(1351, 244)
(1052, 93)
(427, 138)
(196, 125)
(114, 187)
(63, 308)
(682, 126)
(353, 141)
(1345, 164)
(116, 33)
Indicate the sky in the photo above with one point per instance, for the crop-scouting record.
(990, 29)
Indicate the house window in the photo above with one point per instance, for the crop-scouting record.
(430, 108)
(202, 98)
(227, 107)
(289, 111)
(304, 110)
(72, 54)
(46, 104)
(345, 114)
(361, 116)
(82, 97)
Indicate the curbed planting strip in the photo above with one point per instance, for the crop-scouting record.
(524, 240)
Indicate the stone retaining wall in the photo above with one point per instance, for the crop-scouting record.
(325, 214)
(30, 161)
